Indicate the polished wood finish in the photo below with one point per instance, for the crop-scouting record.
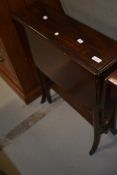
(94, 42)
(66, 64)
(16, 68)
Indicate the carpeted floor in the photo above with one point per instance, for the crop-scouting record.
(30, 121)
(50, 139)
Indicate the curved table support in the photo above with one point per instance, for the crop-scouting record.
(113, 128)
(97, 131)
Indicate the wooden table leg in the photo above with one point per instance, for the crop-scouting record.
(45, 88)
(104, 117)
(113, 123)
(97, 131)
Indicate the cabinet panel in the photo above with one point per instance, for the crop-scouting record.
(29, 1)
(16, 5)
(16, 69)
(5, 64)
(52, 3)
(4, 12)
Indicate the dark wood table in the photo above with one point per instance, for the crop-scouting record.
(72, 58)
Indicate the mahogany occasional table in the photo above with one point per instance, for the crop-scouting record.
(72, 58)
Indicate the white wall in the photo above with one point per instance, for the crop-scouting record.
(99, 14)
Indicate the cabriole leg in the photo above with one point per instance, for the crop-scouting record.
(97, 131)
(45, 88)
